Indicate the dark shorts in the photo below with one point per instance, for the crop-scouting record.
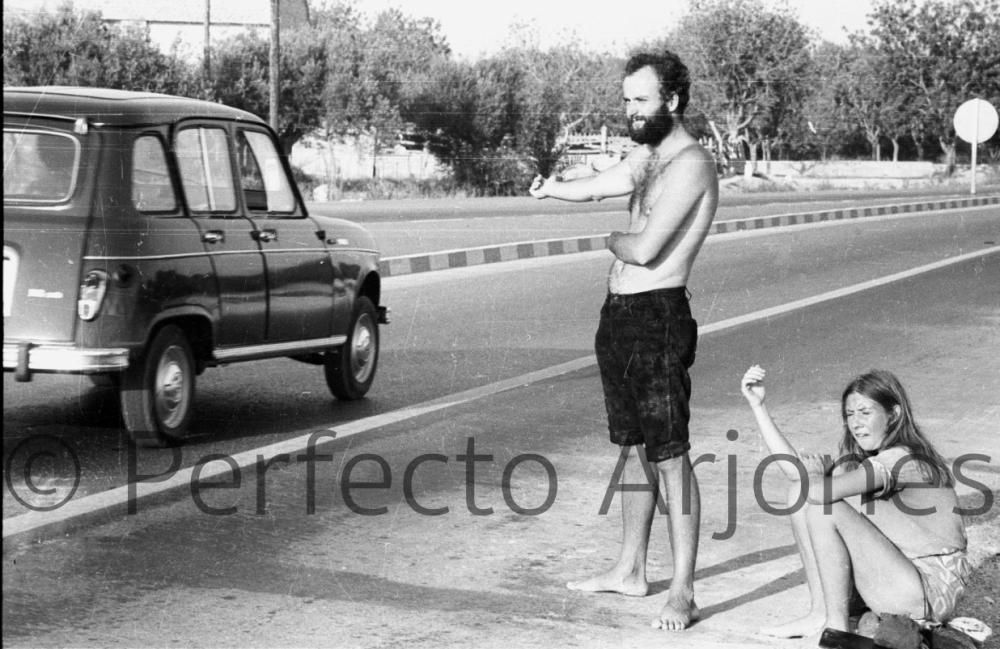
(645, 345)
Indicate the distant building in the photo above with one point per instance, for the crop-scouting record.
(180, 21)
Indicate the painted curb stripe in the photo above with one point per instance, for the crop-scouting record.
(37, 522)
(491, 254)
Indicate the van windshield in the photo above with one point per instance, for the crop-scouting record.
(39, 166)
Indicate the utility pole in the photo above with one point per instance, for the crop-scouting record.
(208, 41)
(275, 52)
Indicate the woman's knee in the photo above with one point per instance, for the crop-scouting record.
(825, 515)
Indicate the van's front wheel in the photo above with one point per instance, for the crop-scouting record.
(157, 391)
(350, 369)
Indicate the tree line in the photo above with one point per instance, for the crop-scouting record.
(764, 85)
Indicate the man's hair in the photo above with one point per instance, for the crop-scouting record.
(673, 75)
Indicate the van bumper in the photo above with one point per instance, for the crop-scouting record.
(25, 358)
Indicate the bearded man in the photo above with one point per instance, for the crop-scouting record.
(646, 339)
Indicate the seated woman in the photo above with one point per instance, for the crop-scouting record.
(904, 549)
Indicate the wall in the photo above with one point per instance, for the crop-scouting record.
(331, 162)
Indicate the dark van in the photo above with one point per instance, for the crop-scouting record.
(148, 237)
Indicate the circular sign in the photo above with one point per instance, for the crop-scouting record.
(976, 121)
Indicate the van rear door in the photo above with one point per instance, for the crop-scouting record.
(47, 205)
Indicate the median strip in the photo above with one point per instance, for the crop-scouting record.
(490, 254)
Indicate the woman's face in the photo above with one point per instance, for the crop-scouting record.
(866, 420)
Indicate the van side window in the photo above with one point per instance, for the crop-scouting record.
(152, 190)
(206, 169)
(263, 179)
(39, 166)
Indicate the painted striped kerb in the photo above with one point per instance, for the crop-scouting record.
(492, 254)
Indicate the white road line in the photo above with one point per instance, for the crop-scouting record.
(119, 496)
(841, 292)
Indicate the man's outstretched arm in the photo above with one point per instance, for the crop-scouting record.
(614, 181)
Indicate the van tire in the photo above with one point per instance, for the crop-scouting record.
(350, 368)
(157, 391)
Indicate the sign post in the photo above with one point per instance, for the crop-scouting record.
(975, 121)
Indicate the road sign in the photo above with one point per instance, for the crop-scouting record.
(975, 121)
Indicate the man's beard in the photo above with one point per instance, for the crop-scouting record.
(656, 127)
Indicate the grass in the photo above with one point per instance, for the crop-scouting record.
(981, 599)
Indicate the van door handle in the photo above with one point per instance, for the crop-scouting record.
(214, 236)
(265, 235)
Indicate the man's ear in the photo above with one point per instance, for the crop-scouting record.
(674, 102)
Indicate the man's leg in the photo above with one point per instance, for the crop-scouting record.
(680, 491)
(628, 576)
(814, 621)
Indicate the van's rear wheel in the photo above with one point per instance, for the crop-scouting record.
(350, 369)
(157, 391)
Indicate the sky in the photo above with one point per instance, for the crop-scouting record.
(474, 28)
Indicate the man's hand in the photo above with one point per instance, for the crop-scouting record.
(539, 186)
(613, 239)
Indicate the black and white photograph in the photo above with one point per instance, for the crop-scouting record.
(376, 324)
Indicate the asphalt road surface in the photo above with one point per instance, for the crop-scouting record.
(409, 535)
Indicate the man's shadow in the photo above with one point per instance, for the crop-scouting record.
(784, 582)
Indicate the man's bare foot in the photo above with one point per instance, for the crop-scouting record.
(677, 614)
(802, 627)
(611, 582)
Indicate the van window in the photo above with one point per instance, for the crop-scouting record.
(152, 190)
(39, 166)
(206, 169)
(262, 176)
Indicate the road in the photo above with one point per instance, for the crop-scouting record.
(271, 574)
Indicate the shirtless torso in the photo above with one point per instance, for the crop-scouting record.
(659, 175)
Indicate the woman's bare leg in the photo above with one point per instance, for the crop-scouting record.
(815, 619)
(850, 549)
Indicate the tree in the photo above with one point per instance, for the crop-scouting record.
(506, 117)
(446, 113)
(824, 110)
(563, 89)
(944, 52)
(870, 99)
(748, 63)
(241, 78)
(377, 73)
(68, 47)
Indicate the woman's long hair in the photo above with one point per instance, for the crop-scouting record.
(884, 388)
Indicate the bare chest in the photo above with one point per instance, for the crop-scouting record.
(650, 183)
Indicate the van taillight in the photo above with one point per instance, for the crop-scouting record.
(92, 291)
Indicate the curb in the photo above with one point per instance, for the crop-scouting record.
(492, 254)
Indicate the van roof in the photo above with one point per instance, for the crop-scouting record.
(102, 106)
